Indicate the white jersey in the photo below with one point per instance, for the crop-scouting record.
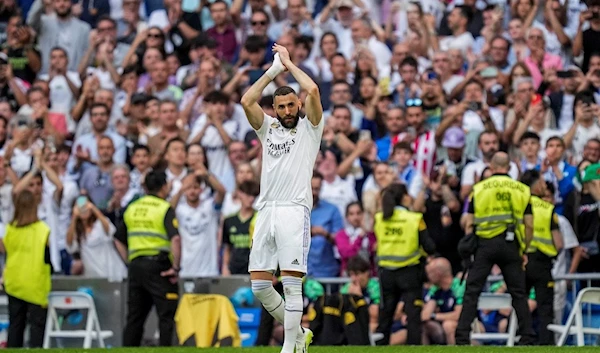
(288, 160)
(199, 228)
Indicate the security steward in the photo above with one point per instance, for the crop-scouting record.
(150, 238)
(547, 242)
(402, 240)
(497, 206)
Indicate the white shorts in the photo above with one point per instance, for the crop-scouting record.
(281, 239)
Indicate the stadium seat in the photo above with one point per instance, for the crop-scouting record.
(74, 301)
(574, 325)
(489, 301)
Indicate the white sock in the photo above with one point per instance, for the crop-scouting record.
(292, 287)
(270, 299)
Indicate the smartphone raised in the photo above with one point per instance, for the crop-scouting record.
(364, 135)
(81, 202)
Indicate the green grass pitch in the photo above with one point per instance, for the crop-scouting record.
(355, 349)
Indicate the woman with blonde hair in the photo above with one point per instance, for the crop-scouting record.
(27, 273)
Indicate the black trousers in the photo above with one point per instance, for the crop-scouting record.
(406, 284)
(20, 313)
(539, 276)
(147, 288)
(496, 251)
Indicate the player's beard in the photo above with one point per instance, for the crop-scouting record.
(285, 121)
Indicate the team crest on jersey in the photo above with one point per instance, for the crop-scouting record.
(233, 230)
(275, 125)
(293, 131)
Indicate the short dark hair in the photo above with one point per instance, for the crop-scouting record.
(139, 147)
(155, 180)
(218, 2)
(550, 187)
(168, 101)
(474, 81)
(266, 101)
(341, 106)
(530, 177)
(508, 45)
(255, 44)
(284, 91)
(249, 187)
(403, 146)
(354, 203)
(64, 51)
(215, 97)
(172, 141)
(106, 18)
(35, 89)
(529, 135)
(317, 175)
(305, 41)
(357, 264)
(466, 12)
(556, 138)
(409, 60)
(100, 105)
(130, 69)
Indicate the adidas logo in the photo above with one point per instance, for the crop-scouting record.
(295, 262)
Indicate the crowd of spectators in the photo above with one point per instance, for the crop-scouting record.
(95, 93)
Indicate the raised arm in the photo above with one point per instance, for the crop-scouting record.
(314, 109)
(249, 101)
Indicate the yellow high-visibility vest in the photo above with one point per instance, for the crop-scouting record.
(542, 234)
(146, 233)
(398, 238)
(27, 276)
(500, 202)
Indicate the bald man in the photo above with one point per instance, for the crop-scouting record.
(443, 303)
(497, 206)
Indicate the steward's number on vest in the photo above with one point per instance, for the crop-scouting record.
(503, 196)
(393, 231)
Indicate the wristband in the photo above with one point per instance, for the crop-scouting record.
(432, 316)
(176, 269)
(276, 68)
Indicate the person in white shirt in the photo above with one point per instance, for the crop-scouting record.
(585, 126)
(199, 220)
(335, 190)
(363, 37)
(215, 130)
(488, 144)
(175, 156)
(64, 85)
(458, 20)
(281, 235)
(91, 235)
(231, 203)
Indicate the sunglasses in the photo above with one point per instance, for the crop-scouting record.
(414, 102)
(262, 23)
(155, 35)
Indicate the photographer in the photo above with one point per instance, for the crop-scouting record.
(587, 40)
(11, 87)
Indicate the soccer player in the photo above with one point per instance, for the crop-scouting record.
(281, 237)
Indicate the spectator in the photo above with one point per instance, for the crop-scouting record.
(458, 20)
(363, 284)
(585, 39)
(167, 119)
(223, 31)
(443, 303)
(405, 172)
(11, 87)
(354, 240)
(96, 179)
(539, 59)
(529, 145)
(60, 29)
(198, 223)
(557, 171)
(85, 146)
(236, 231)
(140, 160)
(23, 57)
(441, 213)
(591, 150)
(585, 126)
(91, 236)
(338, 191)
(325, 220)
